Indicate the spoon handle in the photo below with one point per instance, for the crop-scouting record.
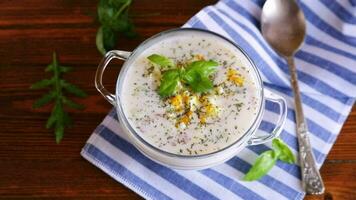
(311, 179)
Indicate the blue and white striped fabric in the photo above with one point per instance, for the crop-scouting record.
(327, 73)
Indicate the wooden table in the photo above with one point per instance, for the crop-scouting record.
(32, 165)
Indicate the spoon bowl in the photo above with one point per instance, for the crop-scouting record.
(283, 26)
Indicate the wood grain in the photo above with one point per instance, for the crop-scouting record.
(31, 164)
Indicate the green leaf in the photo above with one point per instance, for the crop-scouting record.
(197, 75)
(202, 68)
(262, 165)
(160, 60)
(45, 99)
(106, 11)
(201, 84)
(42, 84)
(283, 151)
(73, 89)
(51, 120)
(58, 118)
(59, 132)
(72, 104)
(64, 69)
(169, 83)
(106, 39)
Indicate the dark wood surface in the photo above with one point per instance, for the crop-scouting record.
(32, 165)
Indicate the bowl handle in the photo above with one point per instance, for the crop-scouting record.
(270, 96)
(122, 55)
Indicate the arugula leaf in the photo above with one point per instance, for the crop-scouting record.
(161, 60)
(169, 83)
(45, 99)
(283, 151)
(58, 118)
(262, 165)
(42, 84)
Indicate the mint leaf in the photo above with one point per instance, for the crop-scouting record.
(160, 60)
(283, 152)
(262, 165)
(169, 83)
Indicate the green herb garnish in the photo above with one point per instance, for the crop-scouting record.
(58, 119)
(161, 60)
(196, 75)
(114, 19)
(268, 159)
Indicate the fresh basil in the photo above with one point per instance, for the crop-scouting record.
(262, 165)
(196, 75)
(161, 60)
(113, 16)
(169, 83)
(283, 151)
(267, 160)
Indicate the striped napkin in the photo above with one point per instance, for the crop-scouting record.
(327, 73)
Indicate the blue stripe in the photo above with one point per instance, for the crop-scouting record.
(197, 23)
(325, 27)
(353, 2)
(170, 175)
(237, 8)
(259, 61)
(309, 80)
(312, 41)
(325, 110)
(259, 3)
(123, 172)
(332, 67)
(314, 128)
(311, 102)
(340, 11)
(267, 180)
(231, 185)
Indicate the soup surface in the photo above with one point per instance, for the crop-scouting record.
(189, 122)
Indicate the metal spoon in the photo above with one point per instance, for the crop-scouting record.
(283, 27)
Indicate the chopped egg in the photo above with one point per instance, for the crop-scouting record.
(234, 76)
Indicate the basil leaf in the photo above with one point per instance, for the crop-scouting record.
(106, 12)
(161, 60)
(197, 75)
(169, 83)
(283, 152)
(203, 68)
(201, 84)
(105, 39)
(262, 165)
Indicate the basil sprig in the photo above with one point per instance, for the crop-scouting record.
(195, 75)
(113, 16)
(268, 159)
